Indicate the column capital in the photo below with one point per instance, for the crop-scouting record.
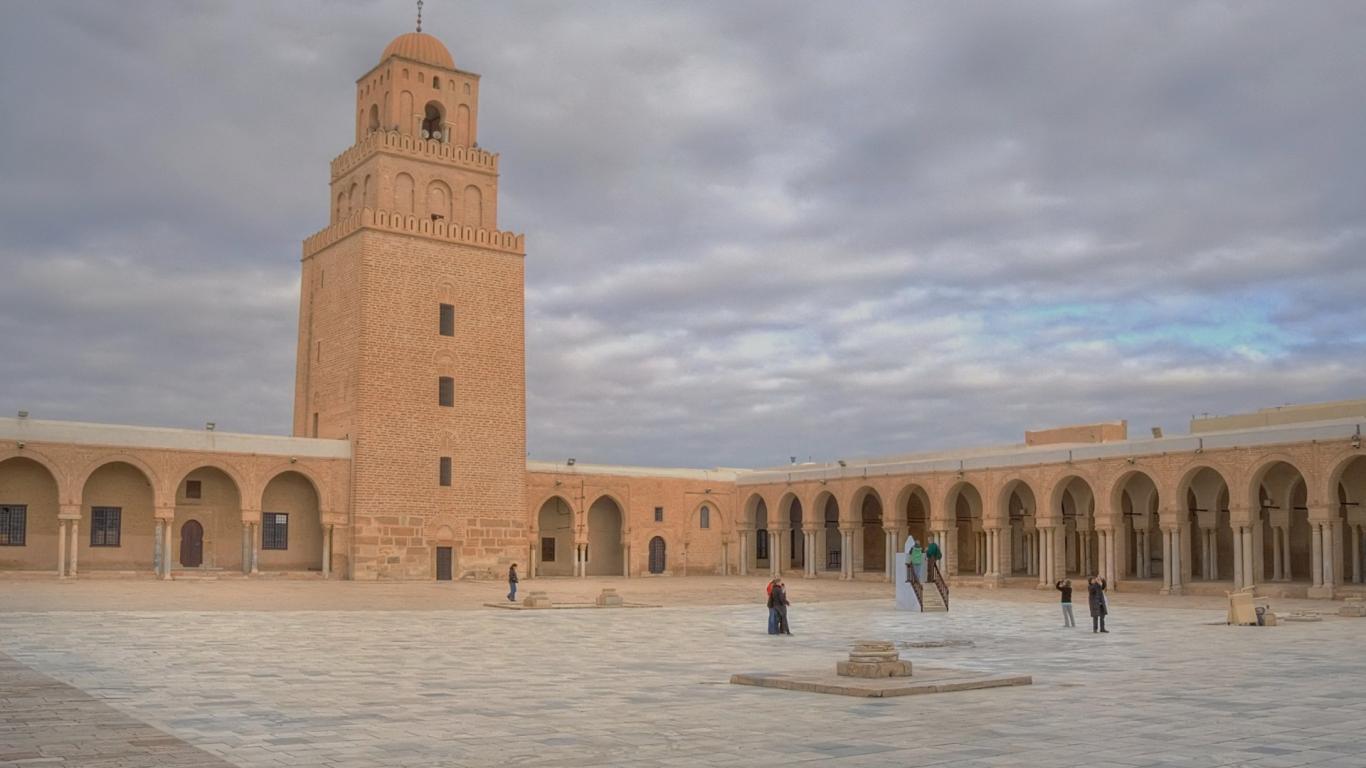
(164, 513)
(1322, 513)
(69, 512)
(337, 519)
(251, 516)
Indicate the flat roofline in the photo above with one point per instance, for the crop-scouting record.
(167, 438)
(1020, 455)
(583, 468)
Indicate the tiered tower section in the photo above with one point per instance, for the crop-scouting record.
(411, 328)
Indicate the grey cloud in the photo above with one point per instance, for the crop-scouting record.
(755, 229)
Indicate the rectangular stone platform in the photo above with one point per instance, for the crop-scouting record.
(926, 680)
(557, 606)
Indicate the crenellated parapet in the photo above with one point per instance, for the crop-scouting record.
(393, 142)
(394, 221)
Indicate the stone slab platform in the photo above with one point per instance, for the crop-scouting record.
(926, 680)
(556, 606)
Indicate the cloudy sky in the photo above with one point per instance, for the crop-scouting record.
(754, 229)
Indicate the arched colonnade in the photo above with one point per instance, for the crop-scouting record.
(1241, 517)
(127, 510)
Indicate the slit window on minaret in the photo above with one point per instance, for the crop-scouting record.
(447, 319)
(444, 477)
(446, 392)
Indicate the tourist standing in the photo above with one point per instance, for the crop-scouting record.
(512, 583)
(934, 554)
(917, 560)
(777, 600)
(1065, 587)
(1095, 594)
(772, 612)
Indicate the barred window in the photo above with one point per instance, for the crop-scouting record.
(547, 549)
(659, 514)
(274, 530)
(104, 526)
(761, 544)
(447, 320)
(13, 525)
(194, 489)
(704, 520)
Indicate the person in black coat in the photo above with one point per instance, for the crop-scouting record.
(777, 600)
(1095, 593)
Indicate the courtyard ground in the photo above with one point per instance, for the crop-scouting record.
(300, 673)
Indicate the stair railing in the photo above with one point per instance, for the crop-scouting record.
(937, 579)
(916, 586)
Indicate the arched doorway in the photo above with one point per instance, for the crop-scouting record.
(969, 535)
(1209, 533)
(917, 515)
(762, 545)
(833, 550)
(1022, 513)
(1350, 492)
(604, 538)
(555, 549)
(657, 554)
(210, 497)
(191, 544)
(117, 527)
(1282, 545)
(798, 536)
(1076, 503)
(28, 516)
(1142, 545)
(291, 534)
(872, 541)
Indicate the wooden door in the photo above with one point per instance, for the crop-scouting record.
(657, 555)
(191, 544)
(443, 563)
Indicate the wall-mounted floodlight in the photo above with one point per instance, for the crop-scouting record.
(570, 462)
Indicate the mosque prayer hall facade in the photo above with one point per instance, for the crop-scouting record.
(407, 459)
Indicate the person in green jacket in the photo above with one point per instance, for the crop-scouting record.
(934, 554)
(917, 560)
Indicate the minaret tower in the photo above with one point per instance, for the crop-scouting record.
(411, 329)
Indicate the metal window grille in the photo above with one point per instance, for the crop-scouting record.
(13, 525)
(705, 521)
(547, 549)
(761, 544)
(446, 392)
(659, 514)
(194, 489)
(104, 526)
(274, 530)
(445, 473)
(447, 319)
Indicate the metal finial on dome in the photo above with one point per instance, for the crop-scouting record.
(419, 15)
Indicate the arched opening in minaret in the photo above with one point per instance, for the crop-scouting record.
(374, 118)
(432, 121)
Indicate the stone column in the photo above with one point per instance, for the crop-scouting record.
(1315, 537)
(1237, 557)
(73, 569)
(1166, 560)
(246, 548)
(156, 545)
(255, 548)
(61, 548)
(1178, 574)
(1355, 531)
(168, 554)
(1287, 568)
(626, 559)
(327, 552)
(1214, 554)
(1328, 578)
(1277, 562)
(744, 551)
(1249, 575)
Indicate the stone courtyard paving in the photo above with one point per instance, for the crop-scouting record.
(428, 685)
